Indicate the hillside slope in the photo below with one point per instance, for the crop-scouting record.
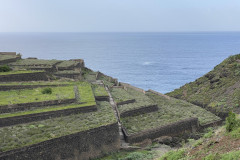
(218, 90)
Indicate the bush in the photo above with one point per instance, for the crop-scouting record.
(174, 155)
(47, 91)
(231, 122)
(5, 68)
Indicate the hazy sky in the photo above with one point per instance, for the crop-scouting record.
(119, 15)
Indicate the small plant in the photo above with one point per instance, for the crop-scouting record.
(174, 155)
(5, 68)
(47, 91)
(231, 122)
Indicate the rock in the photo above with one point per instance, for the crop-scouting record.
(164, 140)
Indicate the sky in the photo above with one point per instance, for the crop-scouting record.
(119, 15)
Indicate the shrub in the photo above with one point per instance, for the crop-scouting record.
(231, 122)
(47, 91)
(174, 155)
(5, 68)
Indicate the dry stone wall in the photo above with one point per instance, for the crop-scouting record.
(45, 115)
(83, 146)
(187, 125)
(36, 76)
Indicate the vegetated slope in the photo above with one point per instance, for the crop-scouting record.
(219, 89)
(222, 143)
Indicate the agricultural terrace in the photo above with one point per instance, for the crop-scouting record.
(17, 136)
(99, 90)
(35, 62)
(18, 72)
(170, 111)
(86, 92)
(66, 64)
(40, 83)
(141, 99)
(120, 95)
(68, 72)
(106, 81)
(35, 95)
(46, 109)
(5, 57)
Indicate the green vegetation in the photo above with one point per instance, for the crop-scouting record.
(18, 72)
(47, 91)
(170, 111)
(99, 90)
(35, 95)
(174, 155)
(35, 62)
(107, 80)
(219, 89)
(85, 92)
(5, 57)
(18, 136)
(233, 155)
(120, 95)
(5, 68)
(68, 72)
(47, 109)
(232, 122)
(137, 155)
(66, 64)
(60, 82)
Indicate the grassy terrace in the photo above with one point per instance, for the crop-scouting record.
(5, 57)
(17, 136)
(46, 109)
(141, 100)
(99, 90)
(34, 62)
(18, 72)
(67, 72)
(40, 83)
(169, 111)
(120, 95)
(35, 95)
(106, 81)
(85, 92)
(66, 64)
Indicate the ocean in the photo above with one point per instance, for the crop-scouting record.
(158, 61)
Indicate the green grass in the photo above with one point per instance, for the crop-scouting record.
(68, 72)
(47, 109)
(85, 92)
(141, 101)
(35, 62)
(35, 95)
(66, 64)
(40, 83)
(233, 155)
(174, 155)
(120, 95)
(17, 136)
(106, 81)
(218, 89)
(170, 111)
(99, 90)
(18, 72)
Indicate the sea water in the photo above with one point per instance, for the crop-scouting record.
(158, 61)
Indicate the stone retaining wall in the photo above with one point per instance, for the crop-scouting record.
(82, 145)
(126, 85)
(102, 98)
(126, 102)
(72, 76)
(10, 60)
(142, 110)
(36, 76)
(26, 106)
(173, 129)
(45, 115)
(17, 87)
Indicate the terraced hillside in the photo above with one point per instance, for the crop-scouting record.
(64, 117)
(218, 90)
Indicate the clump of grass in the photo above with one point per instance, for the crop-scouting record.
(5, 68)
(47, 91)
(174, 155)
